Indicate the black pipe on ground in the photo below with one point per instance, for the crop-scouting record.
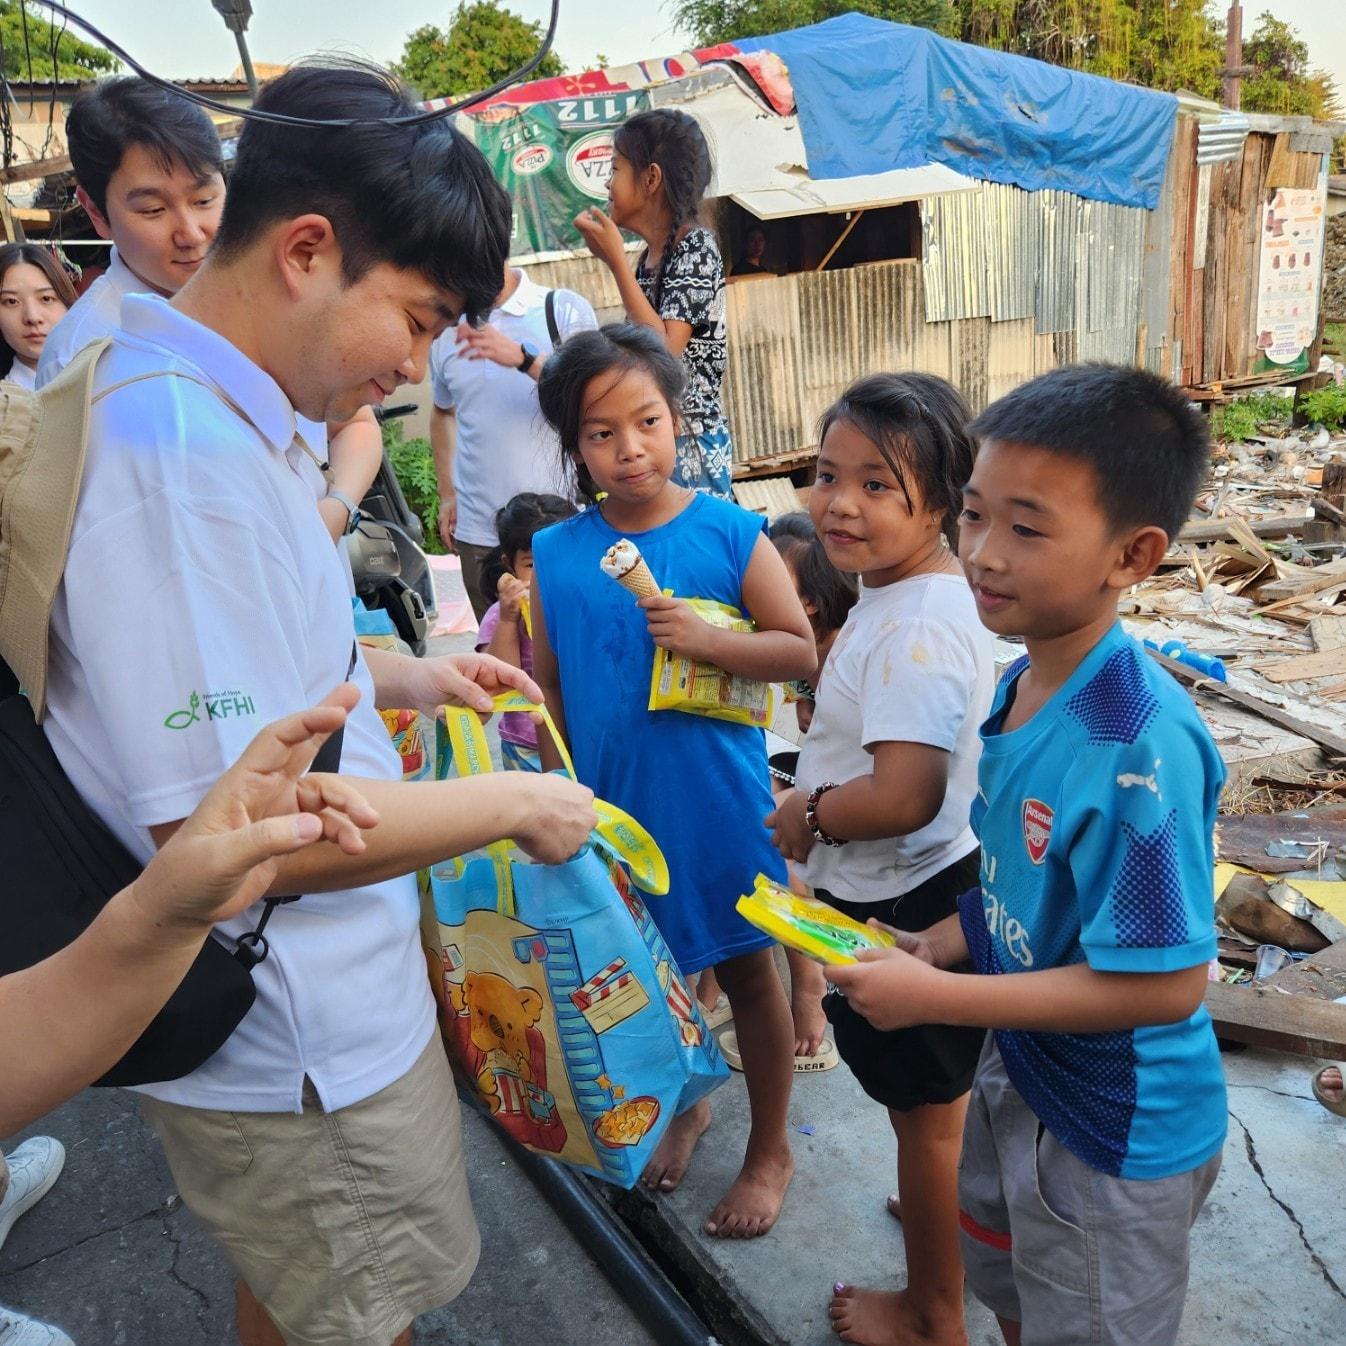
(663, 1311)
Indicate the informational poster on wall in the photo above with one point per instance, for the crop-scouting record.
(554, 159)
(1290, 278)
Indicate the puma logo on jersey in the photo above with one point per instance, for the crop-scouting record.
(1037, 822)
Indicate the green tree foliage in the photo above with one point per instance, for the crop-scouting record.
(27, 36)
(484, 42)
(1163, 44)
(1284, 83)
(712, 21)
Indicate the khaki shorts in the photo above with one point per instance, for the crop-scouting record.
(1074, 1255)
(345, 1225)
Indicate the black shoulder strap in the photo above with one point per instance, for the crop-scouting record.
(553, 330)
(252, 947)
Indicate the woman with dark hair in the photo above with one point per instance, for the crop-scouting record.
(35, 293)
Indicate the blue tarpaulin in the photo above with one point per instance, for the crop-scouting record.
(874, 96)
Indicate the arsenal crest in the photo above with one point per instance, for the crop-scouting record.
(1037, 820)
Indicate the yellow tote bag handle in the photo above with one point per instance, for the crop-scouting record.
(617, 830)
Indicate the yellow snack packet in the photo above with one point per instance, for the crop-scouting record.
(807, 924)
(678, 683)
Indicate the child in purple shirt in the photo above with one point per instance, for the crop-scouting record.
(506, 626)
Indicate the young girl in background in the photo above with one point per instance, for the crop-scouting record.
(661, 167)
(612, 397)
(505, 580)
(828, 595)
(886, 777)
(35, 294)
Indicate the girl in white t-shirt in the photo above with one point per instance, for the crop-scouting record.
(879, 818)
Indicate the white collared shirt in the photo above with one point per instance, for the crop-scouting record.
(22, 375)
(97, 314)
(94, 315)
(504, 444)
(203, 598)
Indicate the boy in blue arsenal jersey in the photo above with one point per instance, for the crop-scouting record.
(1098, 1113)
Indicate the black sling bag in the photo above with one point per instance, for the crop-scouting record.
(60, 867)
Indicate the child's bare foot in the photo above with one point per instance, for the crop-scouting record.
(806, 1010)
(888, 1318)
(750, 1207)
(668, 1164)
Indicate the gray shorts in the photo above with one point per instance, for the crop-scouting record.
(1073, 1254)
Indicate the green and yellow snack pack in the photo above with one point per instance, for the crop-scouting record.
(677, 683)
(807, 925)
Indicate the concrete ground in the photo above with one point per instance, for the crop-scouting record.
(111, 1256)
(1268, 1251)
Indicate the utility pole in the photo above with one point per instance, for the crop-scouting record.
(236, 14)
(1233, 56)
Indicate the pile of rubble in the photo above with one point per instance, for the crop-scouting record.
(1334, 270)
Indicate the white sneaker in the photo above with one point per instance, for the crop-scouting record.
(33, 1169)
(16, 1329)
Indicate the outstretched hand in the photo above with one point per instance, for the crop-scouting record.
(470, 680)
(223, 857)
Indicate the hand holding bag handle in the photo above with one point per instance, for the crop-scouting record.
(617, 834)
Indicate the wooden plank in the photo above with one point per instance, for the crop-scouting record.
(1216, 277)
(1331, 743)
(1243, 254)
(1274, 525)
(1282, 170)
(1287, 1023)
(1328, 633)
(1303, 580)
(1183, 162)
(38, 168)
(1321, 665)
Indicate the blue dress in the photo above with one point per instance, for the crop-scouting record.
(699, 785)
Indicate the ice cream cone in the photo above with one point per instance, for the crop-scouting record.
(624, 563)
(638, 580)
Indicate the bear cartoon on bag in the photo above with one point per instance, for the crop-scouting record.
(506, 1055)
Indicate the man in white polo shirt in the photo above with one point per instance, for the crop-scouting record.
(490, 441)
(202, 597)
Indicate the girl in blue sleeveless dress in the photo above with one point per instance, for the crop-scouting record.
(700, 785)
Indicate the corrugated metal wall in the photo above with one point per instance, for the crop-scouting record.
(797, 341)
(1071, 265)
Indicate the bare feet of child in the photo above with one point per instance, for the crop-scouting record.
(668, 1164)
(888, 1318)
(807, 988)
(750, 1207)
(806, 1010)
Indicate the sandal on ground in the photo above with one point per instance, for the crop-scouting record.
(824, 1059)
(719, 1013)
(1337, 1105)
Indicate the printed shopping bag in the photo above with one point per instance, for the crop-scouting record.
(408, 729)
(560, 1003)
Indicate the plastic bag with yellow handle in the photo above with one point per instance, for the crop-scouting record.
(560, 1003)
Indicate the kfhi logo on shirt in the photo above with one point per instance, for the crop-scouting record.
(1037, 820)
(210, 706)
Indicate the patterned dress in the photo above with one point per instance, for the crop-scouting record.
(693, 292)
